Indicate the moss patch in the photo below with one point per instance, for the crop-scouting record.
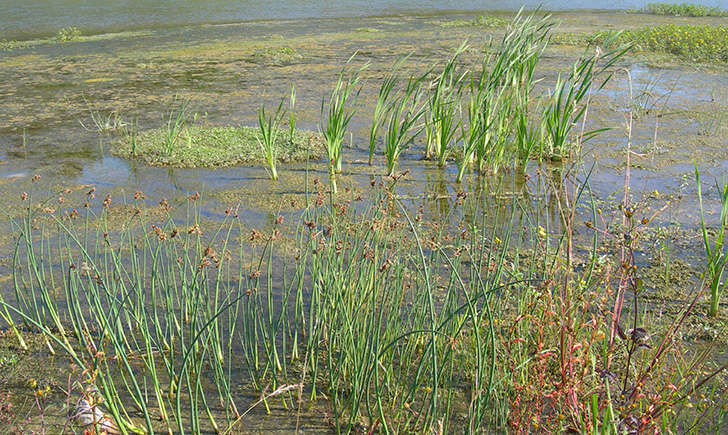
(213, 147)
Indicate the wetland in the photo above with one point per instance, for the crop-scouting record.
(523, 233)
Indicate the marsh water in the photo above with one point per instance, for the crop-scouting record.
(143, 55)
(37, 18)
(51, 91)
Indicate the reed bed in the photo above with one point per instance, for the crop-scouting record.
(486, 117)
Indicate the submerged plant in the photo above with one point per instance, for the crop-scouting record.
(269, 128)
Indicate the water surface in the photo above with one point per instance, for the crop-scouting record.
(37, 18)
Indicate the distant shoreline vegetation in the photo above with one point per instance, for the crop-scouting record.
(694, 43)
(683, 10)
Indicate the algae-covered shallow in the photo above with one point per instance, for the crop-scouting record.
(212, 147)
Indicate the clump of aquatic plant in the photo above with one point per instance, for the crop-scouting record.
(67, 34)
(268, 133)
(489, 21)
(715, 251)
(473, 132)
(441, 122)
(569, 100)
(103, 123)
(684, 10)
(336, 115)
(130, 133)
(381, 110)
(701, 43)
(402, 129)
(530, 39)
(499, 98)
(10, 44)
(530, 137)
(479, 21)
(275, 56)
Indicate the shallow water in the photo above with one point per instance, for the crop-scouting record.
(34, 18)
(48, 90)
